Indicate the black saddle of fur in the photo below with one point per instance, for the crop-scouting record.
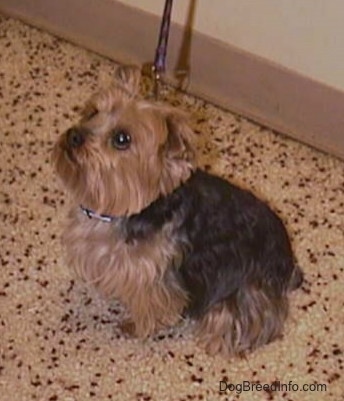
(230, 239)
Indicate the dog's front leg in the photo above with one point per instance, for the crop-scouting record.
(153, 308)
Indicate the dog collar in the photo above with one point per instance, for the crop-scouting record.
(93, 215)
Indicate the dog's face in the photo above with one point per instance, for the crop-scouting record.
(125, 152)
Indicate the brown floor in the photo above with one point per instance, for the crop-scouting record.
(58, 340)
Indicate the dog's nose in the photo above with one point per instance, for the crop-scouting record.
(76, 137)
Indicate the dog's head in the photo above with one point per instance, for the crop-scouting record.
(125, 152)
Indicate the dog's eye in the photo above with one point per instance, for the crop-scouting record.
(120, 139)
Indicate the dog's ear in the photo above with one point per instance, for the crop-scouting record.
(180, 136)
(129, 76)
(178, 156)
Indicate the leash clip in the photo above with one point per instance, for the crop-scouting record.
(157, 82)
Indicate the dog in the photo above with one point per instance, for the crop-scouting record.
(151, 229)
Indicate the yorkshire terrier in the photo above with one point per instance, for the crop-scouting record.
(165, 238)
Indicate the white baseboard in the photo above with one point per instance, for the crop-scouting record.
(279, 98)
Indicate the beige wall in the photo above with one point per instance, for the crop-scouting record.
(304, 35)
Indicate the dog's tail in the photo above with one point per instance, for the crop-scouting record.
(296, 278)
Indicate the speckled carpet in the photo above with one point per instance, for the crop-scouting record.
(59, 341)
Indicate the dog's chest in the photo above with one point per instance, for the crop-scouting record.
(100, 255)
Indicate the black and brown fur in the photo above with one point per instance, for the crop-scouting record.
(181, 241)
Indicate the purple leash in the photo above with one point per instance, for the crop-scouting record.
(159, 66)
